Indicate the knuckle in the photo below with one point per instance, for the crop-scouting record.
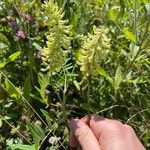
(129, 128)
(115, 126)
(95, 120)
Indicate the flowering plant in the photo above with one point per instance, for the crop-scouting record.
(66, 58)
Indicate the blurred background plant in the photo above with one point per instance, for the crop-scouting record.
(66, 58)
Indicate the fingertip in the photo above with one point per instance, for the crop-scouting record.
(82, 135)
(95, 119)
(85, 136)
(73, 124)
(85, 119)
(97, 124)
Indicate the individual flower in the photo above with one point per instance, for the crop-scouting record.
(52, 140)
(13, 24)
(21, 34)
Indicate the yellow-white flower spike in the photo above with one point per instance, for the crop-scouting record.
(94, 49)
(58, 37)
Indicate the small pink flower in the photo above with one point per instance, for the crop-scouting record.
(21, 34)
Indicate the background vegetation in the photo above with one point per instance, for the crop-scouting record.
(66, 58)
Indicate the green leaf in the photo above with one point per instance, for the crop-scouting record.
(102, 72)
(37, 133)
(77, 85)
(3, 39)
(48, 119)
(129, 35)
(148, 8)
(112, 14)
(3, 46)
(12, 90)
(37, 46)
(11, 58)
(27, 88)
(133, 51)
(118, 77)
(21, 147)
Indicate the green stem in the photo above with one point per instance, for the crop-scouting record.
(88, 95)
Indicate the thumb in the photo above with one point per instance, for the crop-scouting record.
(84, 135)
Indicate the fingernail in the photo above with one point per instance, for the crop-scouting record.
(73, 124)
(86, 119)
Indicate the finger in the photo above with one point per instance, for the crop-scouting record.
(79, 147)
(84, 135)
(132, 134)
(100, 125)
(108, 132)
(112, 134)
(85, 119)
(72, 139)
(97, 124)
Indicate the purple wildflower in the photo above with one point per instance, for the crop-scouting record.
(13, 24)
(20, 34)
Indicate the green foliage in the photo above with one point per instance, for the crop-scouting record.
(62, 59)
(21, 147)
(43, 81)
(37, 133)
(12, 90)
(9, 59)
(118, 77)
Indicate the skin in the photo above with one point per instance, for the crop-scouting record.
(97, 133)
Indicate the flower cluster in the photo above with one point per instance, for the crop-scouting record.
(94, 49)
(58, 37)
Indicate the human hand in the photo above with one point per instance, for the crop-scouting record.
(97, 133)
